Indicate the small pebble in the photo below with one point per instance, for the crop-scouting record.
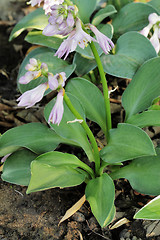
(79, 217)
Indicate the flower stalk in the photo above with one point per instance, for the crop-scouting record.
(89, 133)
(105, 90)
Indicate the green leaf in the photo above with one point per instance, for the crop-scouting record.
(143, 89)
(16, 168)
(63, 159)
(85, 9)
(119, 3)
(91, 99)
(103, 13)
(35, 20)
(45, 176)
(71, 131)
(150, 211)
(155, 4)
(127, 142)
(132, 17)
(143, 174)
(33, 136)
(132, 50)
(100, 193)
(55, 65)
(145, 119)
(36, 37)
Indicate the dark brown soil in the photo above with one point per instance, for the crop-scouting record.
(36, 216)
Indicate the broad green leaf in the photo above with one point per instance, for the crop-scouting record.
(155, 4)
(71, 131)
(100, 193)
(55, 65)
(127, 142)
(132, 17)
(36, 37)
(145, 119)
(150, 211)
(62, 159)
(46, 175)
(103, 13)
(34, 20)
(16, 168)
(143, 89)
(143, 174)
(91, 99)
(132, 50)
(33, 136)
(119, 3)
(85, 9)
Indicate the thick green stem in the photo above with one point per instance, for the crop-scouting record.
(89, 133)
(105, 90)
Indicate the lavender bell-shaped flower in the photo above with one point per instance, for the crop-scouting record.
(49, 3)
(29, 76)
(77, 37)
(57, 112)
(104, 42)
(31, 97)
(61, 21)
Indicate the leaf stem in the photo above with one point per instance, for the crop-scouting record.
(105, 90)
(88, 131)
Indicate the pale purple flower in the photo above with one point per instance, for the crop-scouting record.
(56, 81)
(29, 76)
(49, 3)
(44, 67)
(155, 39)
(61, 21)
(104, 42)
(5, 158)
(32, 65)
(76, 38)
(31, 97)
(35, 2)
(154, 23)
(57, 112)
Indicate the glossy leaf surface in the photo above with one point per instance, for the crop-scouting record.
(85, 9)
(127, 142)
(132, 17)
(36, 37)
(45, 176)
(34, 20)
(143, 89)
(16, 168)
(71, 131)
(34, 136)
(100, 193)
(91, 99)
(103, 13)
(150, 211)
(143, 174)
(145, 119)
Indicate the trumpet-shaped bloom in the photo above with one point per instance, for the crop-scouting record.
(31, 97)
(29, 76)
(154, 23)
(104, 42)
(56, 81)
(76, 37)
(32, 65)
(57, 112)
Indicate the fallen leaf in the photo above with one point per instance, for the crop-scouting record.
(73, 209)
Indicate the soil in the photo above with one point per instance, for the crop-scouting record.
(36, 216)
